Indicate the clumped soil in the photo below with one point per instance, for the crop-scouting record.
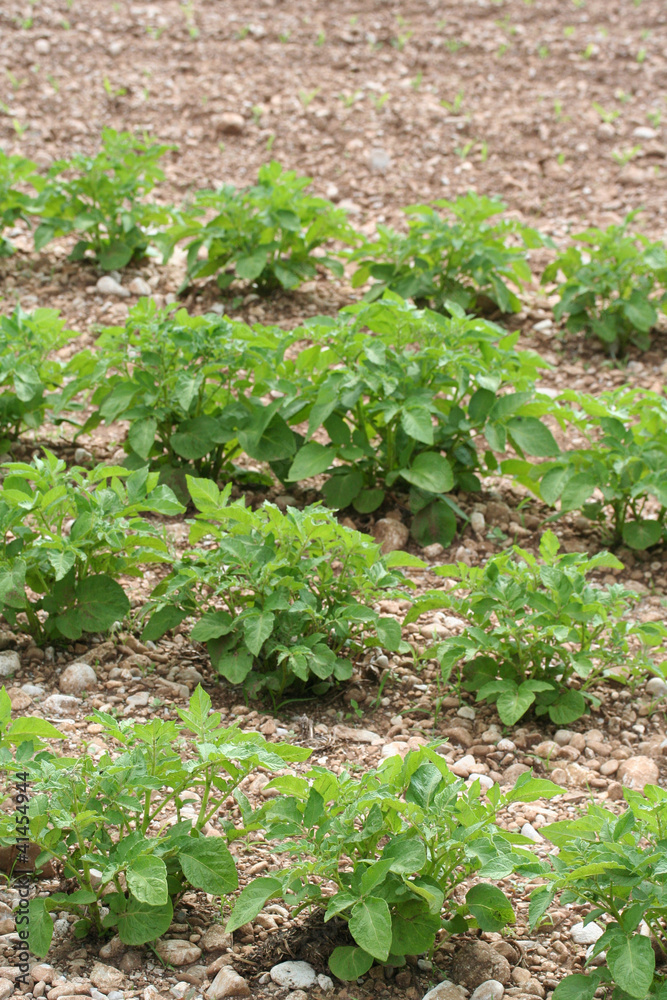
(555, 106)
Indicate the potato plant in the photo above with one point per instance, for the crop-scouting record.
(16, 173)
(280, 599)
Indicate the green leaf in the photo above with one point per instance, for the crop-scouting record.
(212, 625)
(533, 437)
(514, 703)
(208, 865)
(389, 633)
(40, 927)
(339, 491)
(436, 522)
(196, 438)
(252, 900)
(577, 490)
(540, 901)
(100, 602)
(27, 726)
(631, 960)
(234, 666)
(370, 926)
(257, 628)
(414, 934)
(368, 501)
(577, 987)
(252, 265)
(642, 534)
(570, 705)
(430, 471)
(138, 922)
(115, 256)
(348, 963)
(407, 855)
(62, 562)
(490, 907)
(311, 460)
(418, 424)
(147, 880)
(141, 436)
(162, 621)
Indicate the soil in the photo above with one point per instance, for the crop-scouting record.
(555, 106)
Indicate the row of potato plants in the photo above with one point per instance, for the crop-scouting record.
(406, 854)
(610, 283)
(383, 399)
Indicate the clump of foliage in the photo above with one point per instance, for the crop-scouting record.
(387, 851)
(266, 235)
(614, 285)
(620, 474)
(616, 865)
(105, 821)
(276, 595)
(28, 376)
(15, 173)
(190, 388)
(535, 627)
(67, 535)
(464, 258)
(101, 197)
(409, 408)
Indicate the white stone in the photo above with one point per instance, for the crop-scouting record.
(6, 988)
(33, 690)
(82, 456)
(9, 662)
(109, 286)
(477, 522)
(77, 678)
(61, 704)
(562, 737)
(490, 990)
(139, 286)
(656, 687)
(464, 767)
(105, 977)
(529, 831)
(484, 780)
(446, 990)
(507, 746)
(325, 983)
(587, 934)
(466, 712)
(357, 735)
(294, 975)
(228, 983)
(391, 535)
(216, 938)
(138, 700)
(42, 46)
(644, 132)
(177, 952)
(542, 325)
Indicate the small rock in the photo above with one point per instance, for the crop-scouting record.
(77, 677)
(112, 949)
(297, 995)
(637, 772)
(390, 534)
(42, 973)
(177, 952)
(61, 704)
(463, 768)
(562, 737)
(432, 551)
(151, 993)
(641, 132)
(131, 961)
(466, 712)
(379, 161)
(586, 934)
(446, 991)
(231, 123)
(490, 990)
(228, 983)
(615, 791)
(139, 286)
(33, 690)
(43, 47)
(476, 962)
(325, 983)
(656, 687)
(484, 780)
(357, 735)
(478, 522)
(507, 746)
(216, 939)
(9, 663)
(513, 772)
(109, 286)
(138, 700)
(529, 831)
(294, 975)
(105, 977)
(6, 988)
(67, 989)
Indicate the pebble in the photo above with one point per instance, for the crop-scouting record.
(177, 952)
(325, 983)
(9, 663)
(43, 973)
(294, 975)
(562, 737)
(42, 46)
(484, 780)
(529, 831)
(637, 772)
(490, 990)
(641, 132)
(587, 934)
(477, 522)
(6, 988)
(231, 123)
(357, 735)
(446, 991)
(379, 161)
(105, 977)
(656, 687)
(475, 962)
(112, 949)
(139, 286)
(391, 535)
(507, 746)
(466, 712)
(33, 690)
(464, 767)
(228, 983)
(109, 286)
(77, 678)
(138, 700)
(216, 939)
(61, 704)
(433, 551)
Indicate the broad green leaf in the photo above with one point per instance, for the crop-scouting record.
(370, 926)
(339, 491)
(407, 855)
(235, 666)
(208, 865)
(141, 436)
(29, 725)
(115, 255)
(40, 927)
(163, 621)
(577, 987)
(100, 601)
(413, 934)
(577, 490)
(389, 633)
(514, 703)
(147, 880)
(430, 471)
(251, 266)
(533, 437)
(490, 907)
(631, 960)
(139, 922)
(569, 706)
(348, 963)
(311, 460)
(368, 501)
(436, 522)
(196, 438)
(257, 628)
(252, 900)
(642, 534)
(212, 625)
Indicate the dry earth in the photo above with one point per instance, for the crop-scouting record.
(383, 104)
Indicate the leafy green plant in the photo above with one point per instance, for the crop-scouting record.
(275, 594)
(108, 822)
(535, 627)
(27, 373)
(616, 865)
(440, 261)
(67, 535)
(406, 408)
(621, 473)
(15, 173)
(615, 283)
(102, 199)
(387, 852)
(190, 387)
(267, 235)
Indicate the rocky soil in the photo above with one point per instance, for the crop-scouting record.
(557, 106)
